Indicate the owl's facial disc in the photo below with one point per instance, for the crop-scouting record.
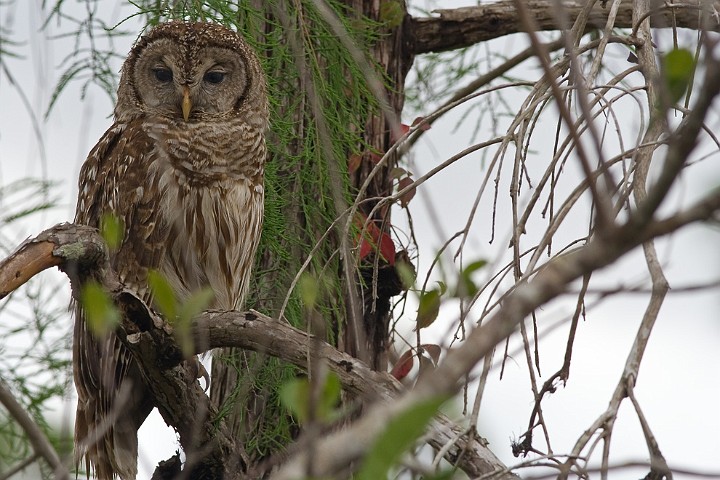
(185, 82)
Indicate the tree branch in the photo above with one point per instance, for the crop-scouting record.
(466, 26)
(30, 258)
(81, 252)
(258, 332)
(349, 445)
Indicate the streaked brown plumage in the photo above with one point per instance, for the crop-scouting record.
(182, 168)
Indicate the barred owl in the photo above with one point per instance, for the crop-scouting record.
(182, 169)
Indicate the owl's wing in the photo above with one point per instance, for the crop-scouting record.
(116, 181)
(112, 398)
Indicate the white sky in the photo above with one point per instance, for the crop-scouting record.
(678, 386)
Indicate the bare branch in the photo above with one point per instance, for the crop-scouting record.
(466, 26)
(552, 280)
(30, 258)
(15, 469)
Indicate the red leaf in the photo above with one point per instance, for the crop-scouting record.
(363, 234)
(396, 134)
(368, 229)
(375, 158)
(354, 162)
(424, 126)
(365, 248)
(387, 248)
(407, 196)
(403, 365)
(432, 350)
(369, 238)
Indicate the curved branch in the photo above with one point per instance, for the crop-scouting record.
(255, 331)
(81, 252)
(30, 258)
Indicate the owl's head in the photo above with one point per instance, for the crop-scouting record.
(189, 72)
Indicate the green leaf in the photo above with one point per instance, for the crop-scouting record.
(100, 313)
(466, 286)
(679, 67)
(406, 273)
(198, 302)
(428, 308)
(330, 398)
(309, 290)
(163, 295)
(112, 231)
(391, 13)
(401, 433)
(295, 395)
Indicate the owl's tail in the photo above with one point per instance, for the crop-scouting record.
(113, 402)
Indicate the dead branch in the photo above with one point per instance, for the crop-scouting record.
(466, 26)
(31, 257)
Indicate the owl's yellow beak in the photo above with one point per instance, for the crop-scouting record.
(186, 103)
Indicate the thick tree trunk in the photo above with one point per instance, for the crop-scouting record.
(380, 280)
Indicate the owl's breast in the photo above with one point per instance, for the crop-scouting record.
(212, 203)
(203, 153)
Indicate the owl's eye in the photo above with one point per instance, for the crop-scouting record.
(214, 77)
(163, 75)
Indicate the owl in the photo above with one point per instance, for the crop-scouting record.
(181, 168)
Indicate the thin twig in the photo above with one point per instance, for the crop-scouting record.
(37, 438)
(19, 467)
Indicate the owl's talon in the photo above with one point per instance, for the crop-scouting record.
(204, 374)
(198, 370)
